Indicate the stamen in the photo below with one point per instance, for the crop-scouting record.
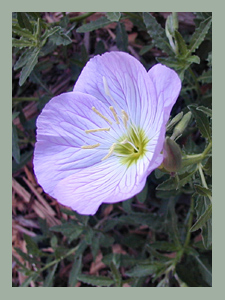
(125, 118)
(101, 115)
(96, 130)
(114, 114)
(128, 142)
(111, 149)
(90, 146)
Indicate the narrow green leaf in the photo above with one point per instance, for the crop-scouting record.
(30, 64)
(171, 184)
(142, 196)
(145, 49)
(22, 59)
(15, 114)
(113, 16)
(49, 33)
(208, 166)
(202, 122)
(93, 25)
(203, 191)
(206, 76)
(75, 270)
(32, 247)
(145, 270)
(157, 33)
(193, 59)
(25, 157)
(15, 145)
(202, 219)
(206, 110)
(202, 205)
(121, 37)
(21, 43)
(70, 230)
(199, 34)
(23, 32)
(95, 280)
(24, 21)
(50, 277)
(182, 47)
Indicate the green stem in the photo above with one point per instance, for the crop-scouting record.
(202, 176)
(58, 259)
(196, 158)
(195, 80)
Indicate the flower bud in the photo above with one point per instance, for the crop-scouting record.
(172, 157)
(181, 126)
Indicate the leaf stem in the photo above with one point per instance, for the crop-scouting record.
(198, 90)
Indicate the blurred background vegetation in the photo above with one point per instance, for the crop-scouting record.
(159, 238)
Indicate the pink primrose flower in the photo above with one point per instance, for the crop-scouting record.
(98, 143)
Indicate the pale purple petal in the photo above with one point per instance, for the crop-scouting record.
(108, 182)
(60, 135)
(129, 84)
(167, 85)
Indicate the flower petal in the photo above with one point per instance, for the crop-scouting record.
(60, 135)
(167, 85)
(108, 182)
(128, 82)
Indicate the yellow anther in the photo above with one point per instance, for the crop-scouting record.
(114, 114)
(96, 130)
(90, 146)
(125, 114)
(111, 149)
(101, 115)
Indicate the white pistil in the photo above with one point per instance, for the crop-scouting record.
(96, 130)
(90, 146)
(114, 114)
(101, 115)
(128, 142)
(111, 149)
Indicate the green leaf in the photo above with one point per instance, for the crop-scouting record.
(50, 277)
(206, 76)
(192, 59)
(202, 121)
(49, 33)
(70, 230)
(75, 270)
(24, 158)
(203, 191)
(157, 33)
(60, 38)
(95, 280)
(208, 166)
(172, 184)
(206, 110)
(121, 37)
(30, 64)
(22, 59)
(113, 16)
(93, 25)
(15, 145)
(202, 204)
(32, 247)
(145, 270)
(145, 49)
(24, 21)
(182, 47)
(199, 34)
(21, 43)
(23, 32)
(142, 196)
(202, 219)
